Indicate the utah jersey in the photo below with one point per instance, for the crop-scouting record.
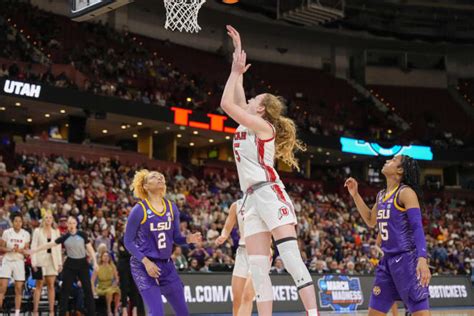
(393, 225)
(158, 230)
(15, 240)
(254, 158)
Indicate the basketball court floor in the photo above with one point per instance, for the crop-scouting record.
(469, 311)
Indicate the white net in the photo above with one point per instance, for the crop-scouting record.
(182, 15)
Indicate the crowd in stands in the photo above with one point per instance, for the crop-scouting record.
(125, 65)
(332, 236)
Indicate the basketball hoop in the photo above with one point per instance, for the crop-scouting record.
(182, 15)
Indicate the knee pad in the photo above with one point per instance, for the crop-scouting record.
(259, 271)
(291, 257)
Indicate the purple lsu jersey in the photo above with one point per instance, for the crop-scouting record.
(393, 225)
(155, 237)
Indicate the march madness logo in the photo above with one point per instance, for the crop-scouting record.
(340, 292)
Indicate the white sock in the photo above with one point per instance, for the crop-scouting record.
(17, 312)
(312, 312)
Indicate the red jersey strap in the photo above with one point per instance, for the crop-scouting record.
(273, 133)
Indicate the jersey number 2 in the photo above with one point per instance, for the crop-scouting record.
(383, 230)
(161, 240)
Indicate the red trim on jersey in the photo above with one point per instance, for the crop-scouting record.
(281, 197)
(273, 134)
(269, 171)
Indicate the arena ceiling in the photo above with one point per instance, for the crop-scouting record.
(436, 20)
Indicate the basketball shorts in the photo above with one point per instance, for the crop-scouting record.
(395, 280)
(267, 208)
(168, 274)
(12, 269)
(241, 266)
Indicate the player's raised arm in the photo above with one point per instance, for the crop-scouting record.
(229, 224)
(409, 200)
(368, 215)
(240, 115)
(239, 93)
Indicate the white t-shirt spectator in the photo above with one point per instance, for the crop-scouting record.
(79, 194)
(211, 234)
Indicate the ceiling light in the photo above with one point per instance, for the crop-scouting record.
(2, 108)
(155, 132)
(191, 144)
(104, 131)
(123, 126)
(227, 137)
(29, 120)
(62, 111)
(188, 99)
(47, 115)
(135, 135)
(211, 140)
(17, 103)
(179, 135)
(195, 132)
(139, 123)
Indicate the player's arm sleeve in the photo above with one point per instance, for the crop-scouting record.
(414, 219)
(84, 236)
(62, 239)
(133, 224)
(178, 238)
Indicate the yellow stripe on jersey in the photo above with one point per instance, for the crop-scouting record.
(155, 211)
(144, 213)
(386, 197)
(403, 209)
(171, 209)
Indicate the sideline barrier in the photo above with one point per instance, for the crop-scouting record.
(211, 292)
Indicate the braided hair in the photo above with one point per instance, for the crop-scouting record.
(411, 176)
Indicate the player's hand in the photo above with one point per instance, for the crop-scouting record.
(60, 268)
(220, 240)
(28, 252)
(423, 272)
(232, 32)
(35, 269)
(151, 268)
(194, 238)
(352, 186)
(239, 62)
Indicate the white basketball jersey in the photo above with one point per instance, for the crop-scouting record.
(15, 240)
(240, 220)
(254, 158)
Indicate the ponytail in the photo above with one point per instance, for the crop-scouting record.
(286, 143)
(411, 176)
